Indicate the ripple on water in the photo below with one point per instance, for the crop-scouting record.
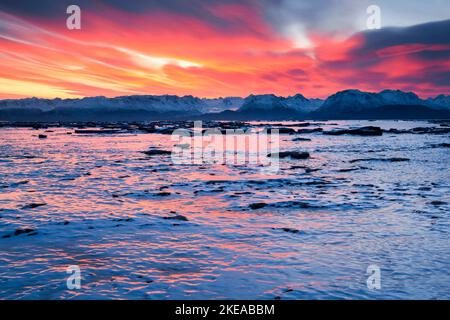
(144, 228)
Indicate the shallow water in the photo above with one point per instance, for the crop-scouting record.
(391, 214)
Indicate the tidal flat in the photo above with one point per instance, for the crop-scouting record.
(142, 227)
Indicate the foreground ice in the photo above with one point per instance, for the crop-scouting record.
(142, 227)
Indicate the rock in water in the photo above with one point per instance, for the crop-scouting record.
(289, 230)
(290, 154)
(33, 205)
(381, 159)
(302, 131)
(438, 203)
(177, 217)
(42, 136)
(156, 152)
(256, 206)
(20, 231)
(281, 130)
(441, 145)
(364, 131)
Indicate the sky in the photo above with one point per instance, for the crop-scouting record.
(218, 48)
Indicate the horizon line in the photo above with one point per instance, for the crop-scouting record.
(224, 97)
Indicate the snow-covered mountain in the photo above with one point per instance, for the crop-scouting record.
(351, 100)
(398, 97)
(302, 104)
(262, 102)
(163, 103)
(348, 103)
(151, 103)
(271, 102)
(356, 100)
(440, 102)
(222, 104)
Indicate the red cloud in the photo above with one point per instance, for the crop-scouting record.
(232, 52)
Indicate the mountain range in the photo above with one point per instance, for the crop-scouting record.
(347, 104)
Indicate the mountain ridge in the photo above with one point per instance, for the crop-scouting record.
(344, 104)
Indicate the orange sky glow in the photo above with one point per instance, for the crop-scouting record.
(162, 52)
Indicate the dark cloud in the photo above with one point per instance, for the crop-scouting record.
(424, 36)
(434, 75)
(432, 55)
(428, 34)
(41, 8)
(428, 43)
(198, 9)
(441, 78)
(51, 8)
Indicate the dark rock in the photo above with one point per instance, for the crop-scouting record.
(256, 206)
(396, 131)
(378, 159)
(15, 184)
(281, 130)
(290, 154)
(438, 203)
(163, 194)
(124, 219)
(298, 167)
(430, 130)
(22, 231)
(177, 217)
(33, 205)
(42, 136)
(156, 152)
(302, 131)
(441, 145)
(301, 139)
(364, 131)
(290, 230)
(348, 169)
(256, 182)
